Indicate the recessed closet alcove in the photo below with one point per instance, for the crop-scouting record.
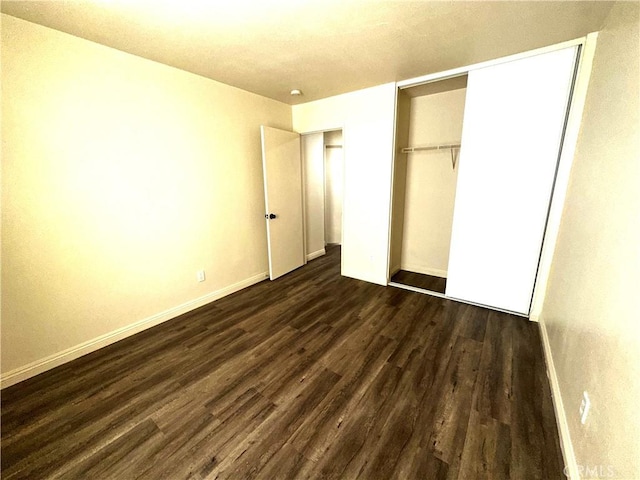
(428, 135)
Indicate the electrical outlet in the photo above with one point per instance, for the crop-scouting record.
(201, 276)
(585, 405)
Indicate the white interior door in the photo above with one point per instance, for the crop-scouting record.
(283, 199)
(512, 131)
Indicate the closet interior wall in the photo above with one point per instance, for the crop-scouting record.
(425, 181)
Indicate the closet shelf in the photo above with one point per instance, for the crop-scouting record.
(430, 147)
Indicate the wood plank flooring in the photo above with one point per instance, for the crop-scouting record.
(427, 282)
(313, 375)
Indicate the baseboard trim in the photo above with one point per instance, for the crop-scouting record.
(316, 254)
(39, 366)
(571, 465)
(434, 272)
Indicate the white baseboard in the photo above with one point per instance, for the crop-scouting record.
(571, 465)
(425, 270)
(316, 254)
(34, 368)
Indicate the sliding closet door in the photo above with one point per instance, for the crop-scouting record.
(512, 130)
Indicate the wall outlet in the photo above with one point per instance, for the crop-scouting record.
(585, 405)
(201, 276)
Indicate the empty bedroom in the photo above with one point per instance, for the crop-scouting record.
(373, 239)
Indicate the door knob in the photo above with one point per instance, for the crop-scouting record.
(270, 216)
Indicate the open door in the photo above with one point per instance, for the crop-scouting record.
(282, 171)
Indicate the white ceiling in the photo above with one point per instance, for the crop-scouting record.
(323, 47)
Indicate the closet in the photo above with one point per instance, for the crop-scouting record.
(428, 136)
(513, 121)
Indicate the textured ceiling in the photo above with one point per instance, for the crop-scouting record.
(323, 47)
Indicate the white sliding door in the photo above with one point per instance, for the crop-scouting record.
(512, 131)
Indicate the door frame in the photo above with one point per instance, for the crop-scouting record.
(582, 74)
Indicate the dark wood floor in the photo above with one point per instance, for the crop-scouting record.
(311, 376)
(427, 282)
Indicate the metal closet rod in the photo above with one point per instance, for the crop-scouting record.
(430, 147)
(333, 146)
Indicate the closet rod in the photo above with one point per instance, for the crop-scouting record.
(432, 147)
(333, 146)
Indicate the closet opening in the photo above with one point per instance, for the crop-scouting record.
(333, 187)
(428, 138)
(323, 182)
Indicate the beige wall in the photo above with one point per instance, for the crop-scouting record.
(366, 118)
(431, 182)
(121, 178)
(591, 312)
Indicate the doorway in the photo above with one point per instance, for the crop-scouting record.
(333, 187)
(323, 181)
